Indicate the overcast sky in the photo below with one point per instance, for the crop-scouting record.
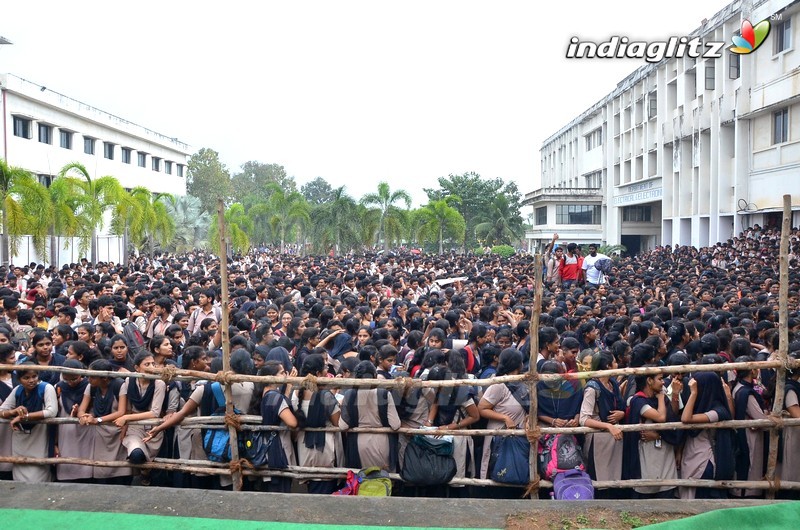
(353, 91)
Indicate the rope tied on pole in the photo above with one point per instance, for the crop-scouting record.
(404, 383)
(168, 373)
(225, 377)
(533, 489)
(774, 485)
(236, 467)
(310, 383)
(533, 435)
(233, 420)
(777, 419)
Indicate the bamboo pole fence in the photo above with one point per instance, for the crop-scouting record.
(239, 468)
(226, 345)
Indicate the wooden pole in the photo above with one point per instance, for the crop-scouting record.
(533, 413)
(226, 344)
(783, 345)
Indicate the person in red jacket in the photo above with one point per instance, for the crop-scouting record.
(571, 266)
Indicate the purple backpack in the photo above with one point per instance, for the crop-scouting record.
(573, 485)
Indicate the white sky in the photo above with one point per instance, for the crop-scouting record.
(353, 91)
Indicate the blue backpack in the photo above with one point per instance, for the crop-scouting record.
(217, 442)
(604, 265)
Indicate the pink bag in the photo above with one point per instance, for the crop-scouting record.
(350, 485)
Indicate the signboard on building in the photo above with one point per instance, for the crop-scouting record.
(647, 191)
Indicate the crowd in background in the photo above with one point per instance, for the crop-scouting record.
(425, 316)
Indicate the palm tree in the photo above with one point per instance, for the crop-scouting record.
(152, 221)
(26, 209)
(392, 219)
(335, 222)
(437, 219)
(100, 194)
(191, 223)
(67, 221)
(500, 225)
(288, 210)
(237, 227)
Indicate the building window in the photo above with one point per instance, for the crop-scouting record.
(734, 65)
(637, 214)
(65, 138)
(45, 134)
(783, 35)
(594, 179)
(180, 170)
(652, 108)
(168, 167)
(45, 180)
(156, 164)
(142, 159)
(594, 139)
(578, 214)
(108, 150)
(88, 145)
(710, 70)
(126, 155)
(780, 126)
(22, 127)
(541, 216)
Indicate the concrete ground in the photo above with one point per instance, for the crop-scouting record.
(254, 506)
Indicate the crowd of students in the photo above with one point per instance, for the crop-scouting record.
(382, 316)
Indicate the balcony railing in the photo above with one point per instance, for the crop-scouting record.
(582, 193)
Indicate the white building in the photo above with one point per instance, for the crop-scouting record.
(685, 151)
(44, 130)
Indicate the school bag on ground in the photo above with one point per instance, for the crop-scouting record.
(374, 482)
(573, 485)
(428, 461)
(559, 453)
(217, 442)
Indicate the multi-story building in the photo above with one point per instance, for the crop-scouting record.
(43, 131)
(685, 151)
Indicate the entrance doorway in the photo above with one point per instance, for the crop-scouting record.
(632, 244)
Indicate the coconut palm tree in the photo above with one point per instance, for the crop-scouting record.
(151, 220)
(238, 225)
(67, 222)
(26, 209)
(500, 225)
(392, 219)
(335, 223)
(288, 210)
(438, 219)
(100, 194)
(191, 223)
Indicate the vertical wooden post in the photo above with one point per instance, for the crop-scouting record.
(226, 344)
(783, 346)
(533, 413)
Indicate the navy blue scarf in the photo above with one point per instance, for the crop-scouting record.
(711, 396)
(607, 400)
(560, 402)
(320, 409)
(138, 400)
(103, 405)
(33, 401)
(71, 395)
(740, 408)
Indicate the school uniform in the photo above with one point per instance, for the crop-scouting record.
(32, 440)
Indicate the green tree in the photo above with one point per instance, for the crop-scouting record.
(287, 210)
(68, 202)
(208, 179)
(392, 219)
(98, 196)
(237, 227)
(476, 195)
(154, 223)
(255, 177)
(499, 223)
(191, 224)
(317, 191)
(26, 209)
(335, 223)
(438, 220)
